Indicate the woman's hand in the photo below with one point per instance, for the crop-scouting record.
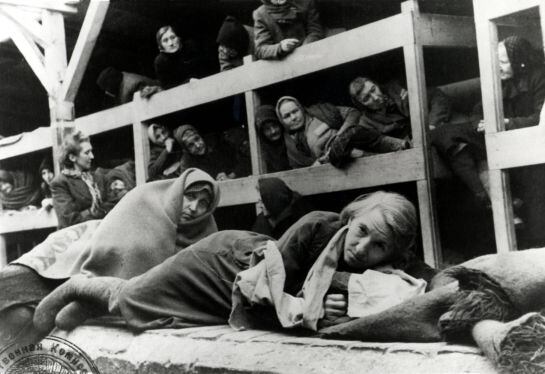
(335, 306)
(289, 44)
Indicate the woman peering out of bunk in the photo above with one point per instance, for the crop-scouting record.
(18, 190)
(177, 62)
(271, 134)
(165, 153)
(280, 207)
(280, 26)
(151, 223)
(46, 173)
(235, 41)
(327, 133)
(251, 281)
(78, 193)
(217, 160)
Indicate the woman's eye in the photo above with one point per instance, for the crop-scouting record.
(363, 230)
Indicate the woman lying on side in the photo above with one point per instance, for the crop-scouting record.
(216, 279)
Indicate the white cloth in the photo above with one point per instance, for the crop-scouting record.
(375, 291)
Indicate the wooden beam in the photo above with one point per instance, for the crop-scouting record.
(372, 171)
(141, 142)
(306, 59)
(106, 120)
(445, 31)
(52, 5)
(488, 10)
(26, 23)
(515, 148)
(92, 24)
(30, 52)
(416, 87)
(252, 103)
(500, 193)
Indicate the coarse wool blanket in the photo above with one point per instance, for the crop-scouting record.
(140, 232)
(25, 191)
(520, 274)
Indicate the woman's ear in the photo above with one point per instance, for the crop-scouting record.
(72, 157)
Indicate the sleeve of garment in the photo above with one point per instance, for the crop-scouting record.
(314, 27)
(440, 108)
(66, 207)
(164, 71)
(537, 84)
(350, 116)
(265, 46)
(303, 242)
(157, 162)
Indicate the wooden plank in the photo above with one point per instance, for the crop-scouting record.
(30, 52)
(28, 220)
(487, 10)
(3, 252)
(306, 59)
(106, 120)
(487, 40)
(416, 87)
(141, 142)
(515, 148)
(445, 31)
(372, 171)
(35, 140)
(252, 103)
(25, 23)
(53, 5)
(96, 12)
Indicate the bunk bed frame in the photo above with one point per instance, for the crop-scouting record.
(505, 149)
(409, 30)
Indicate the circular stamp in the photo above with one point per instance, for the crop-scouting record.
(52, 355)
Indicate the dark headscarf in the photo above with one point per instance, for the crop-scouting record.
(522, 56)
(264, 114)
(232, 34)
(275, 195)
(109, 80)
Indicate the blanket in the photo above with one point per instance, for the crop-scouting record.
(25, 190)
(140, 232)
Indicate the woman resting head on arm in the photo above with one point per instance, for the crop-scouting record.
(200, 285)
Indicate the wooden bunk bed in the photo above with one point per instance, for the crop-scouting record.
(409, 30)
(505, 149)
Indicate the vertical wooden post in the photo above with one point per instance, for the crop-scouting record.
(252, 103)
(500, 192)
(3, 252)
(141, 142)
(416, 86)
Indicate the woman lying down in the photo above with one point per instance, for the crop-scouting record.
(309, 278)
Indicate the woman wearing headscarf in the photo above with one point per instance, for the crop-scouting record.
(120, 180)
(235, 41)
(280, 26)
(151, 223)
(18, 190)
(327, 133)
(46, 173)
(176, 63)
(271, 134)
(281, 207)
(164, 153)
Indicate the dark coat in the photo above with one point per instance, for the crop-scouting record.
(195, 285)
(268, 32)
(72, 199)
(173, 69)
(132, 83)
(160, 160)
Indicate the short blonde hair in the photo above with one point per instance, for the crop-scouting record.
(71, 145)
(396, 219)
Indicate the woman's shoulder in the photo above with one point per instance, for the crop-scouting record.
(319, 217)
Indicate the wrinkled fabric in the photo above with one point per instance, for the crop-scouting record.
(25, 191)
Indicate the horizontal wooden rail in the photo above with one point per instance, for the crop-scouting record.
(32, 141)
(500, 8)
(28, 220)
(445, 31)
(106, 120)
(514, 148)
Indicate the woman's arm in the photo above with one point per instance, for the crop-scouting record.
(265, 46)
(537, 92)
(66, 207)
(314, 29)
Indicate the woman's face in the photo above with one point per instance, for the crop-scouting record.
(506, 70)
(118, 189)
(170, 42)
(293, 117)
(84, 158)
(194, 144)
(272, 131)
(364, 247)
(370, 96)
(47, 176)
(194, 205)
(161, 134)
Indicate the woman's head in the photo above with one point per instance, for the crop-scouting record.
(290, 113)
(267, 123)
(276, 196)
(77, 152)
(516, 56)
(367, 94)
(381, 227)
(46, 171)
(168, 40)
(197, 200)
(190, 140)
(232, 38)
(158, 134)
